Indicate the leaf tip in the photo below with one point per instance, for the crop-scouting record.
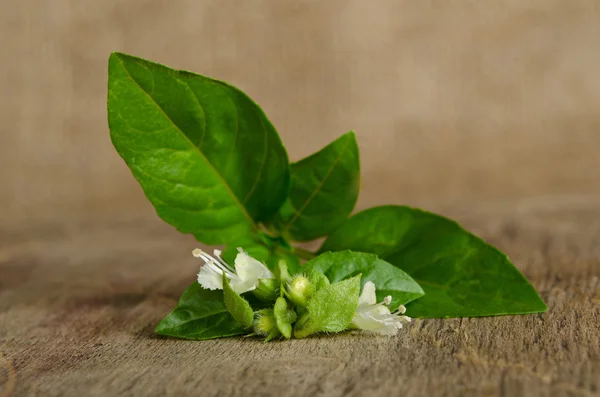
(350, 135)
(116, 55)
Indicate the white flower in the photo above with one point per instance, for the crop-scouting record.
(243, 279)
(376, 317)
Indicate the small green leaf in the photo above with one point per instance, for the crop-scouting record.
(204, 153)
(330, 309)
(237, 306)
(324, 190)
(200, 314)
(284, 317)
(388, 279)
(461, 274)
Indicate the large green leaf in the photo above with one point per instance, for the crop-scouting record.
(388, 279)
(330, 309)
(324, 190)
(204, 153)
(200, 314)
(461, 274)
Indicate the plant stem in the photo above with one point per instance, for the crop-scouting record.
(304, 253)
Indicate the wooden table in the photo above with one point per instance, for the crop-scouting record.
(79, 301)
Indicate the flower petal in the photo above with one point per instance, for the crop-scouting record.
(209, 278)
(240, 286)
(367, 297)
(378, 320)
(388, 330)
(365, 322)
(249, 269)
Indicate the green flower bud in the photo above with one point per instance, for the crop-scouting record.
(264, 323)
(284, 317)
(267, 289)
(319, 279)
(281, 271)
(300, 289)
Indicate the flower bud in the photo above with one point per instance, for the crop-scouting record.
(264, 322)
(281, 271)
(284, 317)
(300, 289)
(319, 279)
(267, 289)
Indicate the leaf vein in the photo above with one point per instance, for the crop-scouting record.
(262, 163)
(297, 212)
(226, 185)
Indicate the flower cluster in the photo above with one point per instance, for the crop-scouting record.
(296, 305)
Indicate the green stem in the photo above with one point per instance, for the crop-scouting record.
(304, 253)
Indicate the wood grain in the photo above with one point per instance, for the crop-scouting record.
(78, 305)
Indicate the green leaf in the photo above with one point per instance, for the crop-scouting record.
(204, 153)
(237, 306)
(388, 279)
(200, 314)
(330, 309)
(324, 190)
(462, 275)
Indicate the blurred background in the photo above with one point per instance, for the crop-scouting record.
(455, 103)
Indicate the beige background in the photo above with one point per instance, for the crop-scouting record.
(452, 101)
(487, 111)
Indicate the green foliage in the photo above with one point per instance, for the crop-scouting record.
(330, 309)
(212, 165)
(200, 314)
(388, 279)
(324, 191)
(462, 275)
(204, 153)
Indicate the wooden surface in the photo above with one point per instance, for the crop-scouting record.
(484, 111)
(78, 306)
